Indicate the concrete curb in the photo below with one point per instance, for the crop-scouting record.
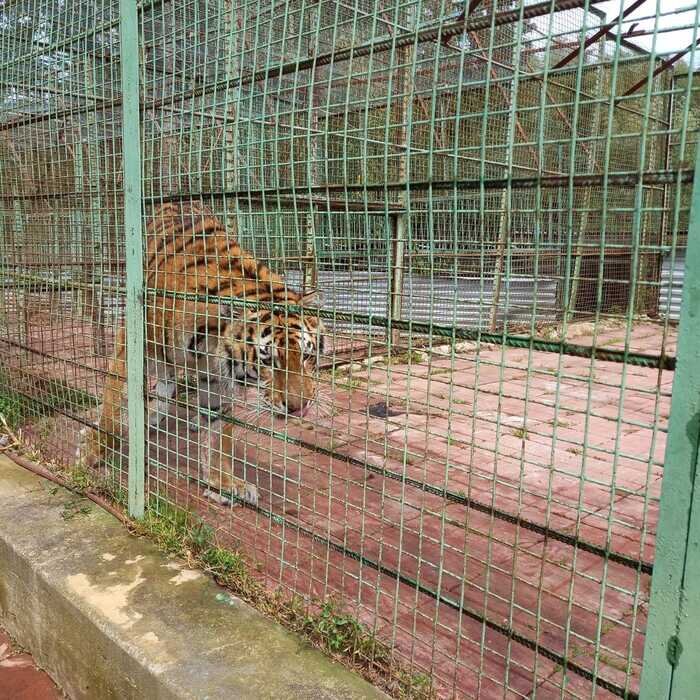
(109, 617)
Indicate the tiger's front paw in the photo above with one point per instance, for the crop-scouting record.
(240, 491)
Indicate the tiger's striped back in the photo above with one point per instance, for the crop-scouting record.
(189, 252)
(190, 257)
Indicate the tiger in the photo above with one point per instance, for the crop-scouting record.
(190, 254)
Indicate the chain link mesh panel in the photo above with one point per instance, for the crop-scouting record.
(487, 194)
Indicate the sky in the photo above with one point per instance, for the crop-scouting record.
(675, 13)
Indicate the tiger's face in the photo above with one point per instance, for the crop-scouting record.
(278, 354)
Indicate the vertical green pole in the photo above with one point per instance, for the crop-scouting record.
(21, 252)
(586, 204)
(665, 221)
(77, 215)
(398, 247)
(309, 267)
(309, 263)
(503, 242)
(671, 668)
(95, 246)
(131, 146)
(397, 223)
(230, 179)
(503, 237)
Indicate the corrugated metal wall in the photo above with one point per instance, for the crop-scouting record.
(671, 290)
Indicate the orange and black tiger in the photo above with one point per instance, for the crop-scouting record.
(190, 256)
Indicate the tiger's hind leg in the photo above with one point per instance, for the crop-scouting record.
(95, 443)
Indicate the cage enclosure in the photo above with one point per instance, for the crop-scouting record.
(492, 198)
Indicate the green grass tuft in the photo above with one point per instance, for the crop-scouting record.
(324, 624)
(15, 409)
(51, 395)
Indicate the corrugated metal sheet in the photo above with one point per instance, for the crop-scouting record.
(671, 289)
(451, 301)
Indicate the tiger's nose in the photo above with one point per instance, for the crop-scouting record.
(297, 406)
(300, 412)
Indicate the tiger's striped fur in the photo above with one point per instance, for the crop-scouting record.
(188, 252)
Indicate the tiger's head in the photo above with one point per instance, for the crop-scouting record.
(276, 352)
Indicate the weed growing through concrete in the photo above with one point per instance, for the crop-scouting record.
(407, 358)
(74, 508)
(17, 408)
(559, 423)
(323, 623)
(452, 440)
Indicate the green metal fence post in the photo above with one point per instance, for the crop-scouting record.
(591, 164)
(398, 223)
(131, 144)
(309, 260)
(397, 251)
(309, 264)
(78, 235)
(94, 250)
(230, 120)
(503, 241)
(670, 667)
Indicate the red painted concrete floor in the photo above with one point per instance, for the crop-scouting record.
(20, 679)
(440, 581)
(457, 513)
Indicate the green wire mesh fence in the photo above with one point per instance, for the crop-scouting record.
(492, 198)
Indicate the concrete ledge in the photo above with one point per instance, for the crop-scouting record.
(109, 617)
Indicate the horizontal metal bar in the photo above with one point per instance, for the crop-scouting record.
(432, 34)
(299, 195)
(666, 362)
(629, 178)
(299, 201)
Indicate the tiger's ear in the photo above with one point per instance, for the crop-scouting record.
(312, 298)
